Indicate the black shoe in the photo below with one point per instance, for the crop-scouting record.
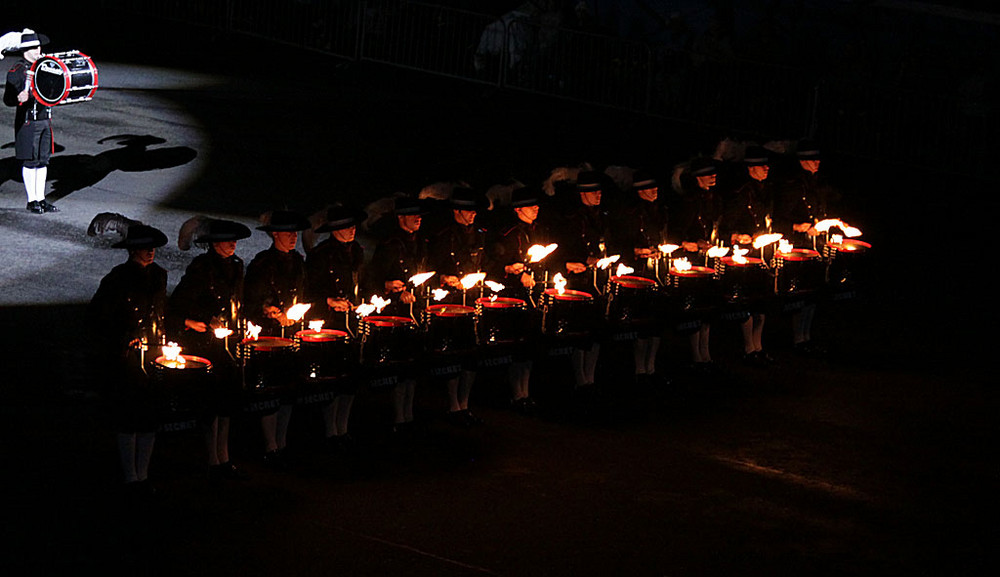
(226, 471)
(472, 419)
(47, 206)
(275, 460)
(35, 207)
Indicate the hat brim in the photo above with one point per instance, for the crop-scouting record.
(231, 231)
(151, 238)
(342, 223)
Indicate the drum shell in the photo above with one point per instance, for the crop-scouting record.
(388, 340)
(501, 321)
(799, 272)
(269, 365)
(182, 390)
(743, 282)
(324, 354)
(568, 314)
(631, 299)
(450, 328)
(848, 263)
(64, 78)
(694, 290)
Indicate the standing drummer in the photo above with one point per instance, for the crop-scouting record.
(398, 257)
(507, 254)
(126, 319)
(641, 227)
(274, 282)
(207, 298)
(747, 214)
(33, 142)
(696, 223)
(455, 251)
(333, 269)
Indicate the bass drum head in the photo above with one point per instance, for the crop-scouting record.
(63, 78)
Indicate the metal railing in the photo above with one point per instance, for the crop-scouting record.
(518, 53)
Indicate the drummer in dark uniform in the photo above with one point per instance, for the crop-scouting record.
(640, 228)
(125, 318)
(457, 250)
(274, 282)
(398, 257)
(507, 262)
(696, 224)
(582, 235)
(207, 298)
(33, 142)
(333, 269)
(747, 214)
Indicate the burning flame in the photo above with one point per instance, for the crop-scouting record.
(766, 239)
(222, 332)
(850, 231)
(419, 279)
(827, 224)
(624, 270)
(559, 281)
(682, 264)
(738, 254)
(297, 311)
(784, 246)
(493, 298)
(439, 294)
(606, 262)
(537, 252)
(494, 286)
(836, 238)
(668, 248)
(316, 325)
(718, 251)
(470, 280)
(377, 304)
(172, 352)
(253, 331)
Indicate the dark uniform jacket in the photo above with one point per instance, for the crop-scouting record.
(210, 291)
(16, 81)
(642, 224)
(398, 257)
(332, 271)
(128, 305)
(746, 210)
(582, 237)
(697, 218)
(458, 250)
(509, 246)
(274, 278)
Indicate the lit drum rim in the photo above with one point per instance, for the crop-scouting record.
(268, 343)
(569, 295)
(388, 321)
(321, 336)
(751, 261)
(501, 303)
(446, 310)
(694, 272)
(799, 254)
(636, 282)
(850, 245)
(205, 363)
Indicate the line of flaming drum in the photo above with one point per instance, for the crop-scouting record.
(467, 332)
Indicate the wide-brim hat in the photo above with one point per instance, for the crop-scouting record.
(525, 196)
(284, 221)
(218, 230)
(756, 156)
(406, 206)
(643, 181)
(463, 198)
(588, 181)
(704, 167)
(808, 150)
(22, 41)
(141, 236)
(341, 217)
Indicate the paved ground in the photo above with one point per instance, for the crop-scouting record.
(874, 461)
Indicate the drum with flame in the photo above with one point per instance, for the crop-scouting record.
(799, 272)
(501, 320)
(847, 262)
(269, 365)
(630, 299)
(693, 289)
(567, 313)
(742, 281)
(323, 354)
(388, 339)
(183, 384)
(450, 328)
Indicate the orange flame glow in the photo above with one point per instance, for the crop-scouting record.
(253, 331)
(668, 248)
(718, 251)
(316, 325)
(624, 270)
(738, 254)
(222, 332)
(559, 282)
(419, 279)
(537, 252)
(784, 246)
(172, 352)
(766, 239)
(439, 294)
(494, 286)
(470, 280)
(682, 264)
(297, 311)
(606, 262)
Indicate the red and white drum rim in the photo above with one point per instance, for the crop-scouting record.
(268, 343)
(321, 336)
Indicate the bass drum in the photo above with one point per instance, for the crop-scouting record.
(63, 78)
